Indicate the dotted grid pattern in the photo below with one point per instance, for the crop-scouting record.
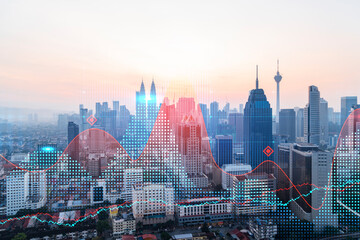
(68, 184)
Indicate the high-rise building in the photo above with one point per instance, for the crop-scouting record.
(324, 122)
(46, 155)
(151, 106)
(223, 150)
(73, 131)
(226, 108)
(141, 103)
(346, 105)
(73, 148)
(189, 140)
(214, 118)
(257, 126)
(84, 114)
(15, 192)
(312, 117)
(25, 190)
(346, 168)
(300, 123)
(205, 113)
(287, 124)
(241, 108)
(236, 121)
(116, 106)
(132, 177)
(35, 189)
(277, 78)
(309, 164)
(185, 106)
(283, 172)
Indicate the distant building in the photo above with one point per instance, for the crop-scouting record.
(287, 124)
(324, 122)
(214, 118)
(205, 114)
(300, 123)
(236, 121)
(312, 117)
(346, 105)
(73, 138)
(152, 109)
(223, 150)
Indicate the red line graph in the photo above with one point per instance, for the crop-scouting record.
(354, 114)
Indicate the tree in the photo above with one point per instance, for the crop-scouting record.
(170, 223)
(19, 236)
(119, 201)
(218, 188)
(205, 228)
(102, 226)
(165, 236)
(103, 214)
(139, 226)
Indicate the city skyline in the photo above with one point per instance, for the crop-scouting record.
(88, 55)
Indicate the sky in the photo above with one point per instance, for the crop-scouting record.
(58, 54)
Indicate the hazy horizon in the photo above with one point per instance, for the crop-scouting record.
(57, 55)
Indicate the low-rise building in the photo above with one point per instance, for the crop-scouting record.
(253, 193)
(198, 211)
(153, 203)
(263, 228)
(123, 225)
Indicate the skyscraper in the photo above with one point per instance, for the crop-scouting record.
(189, 140)
(141, 104)
(277, 78)
(324, 122)
(223, 150)
(300, 123)
(312, 117)
(46, 155)
(205, 113)
(346, 105)
(73, 132)
(151, 106)
(257, 126)
(214, 117)
(287, 124)
(189, 134)
(309, 164)
(236, 121)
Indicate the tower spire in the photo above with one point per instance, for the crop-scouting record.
(257, 79)
(277, 78)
